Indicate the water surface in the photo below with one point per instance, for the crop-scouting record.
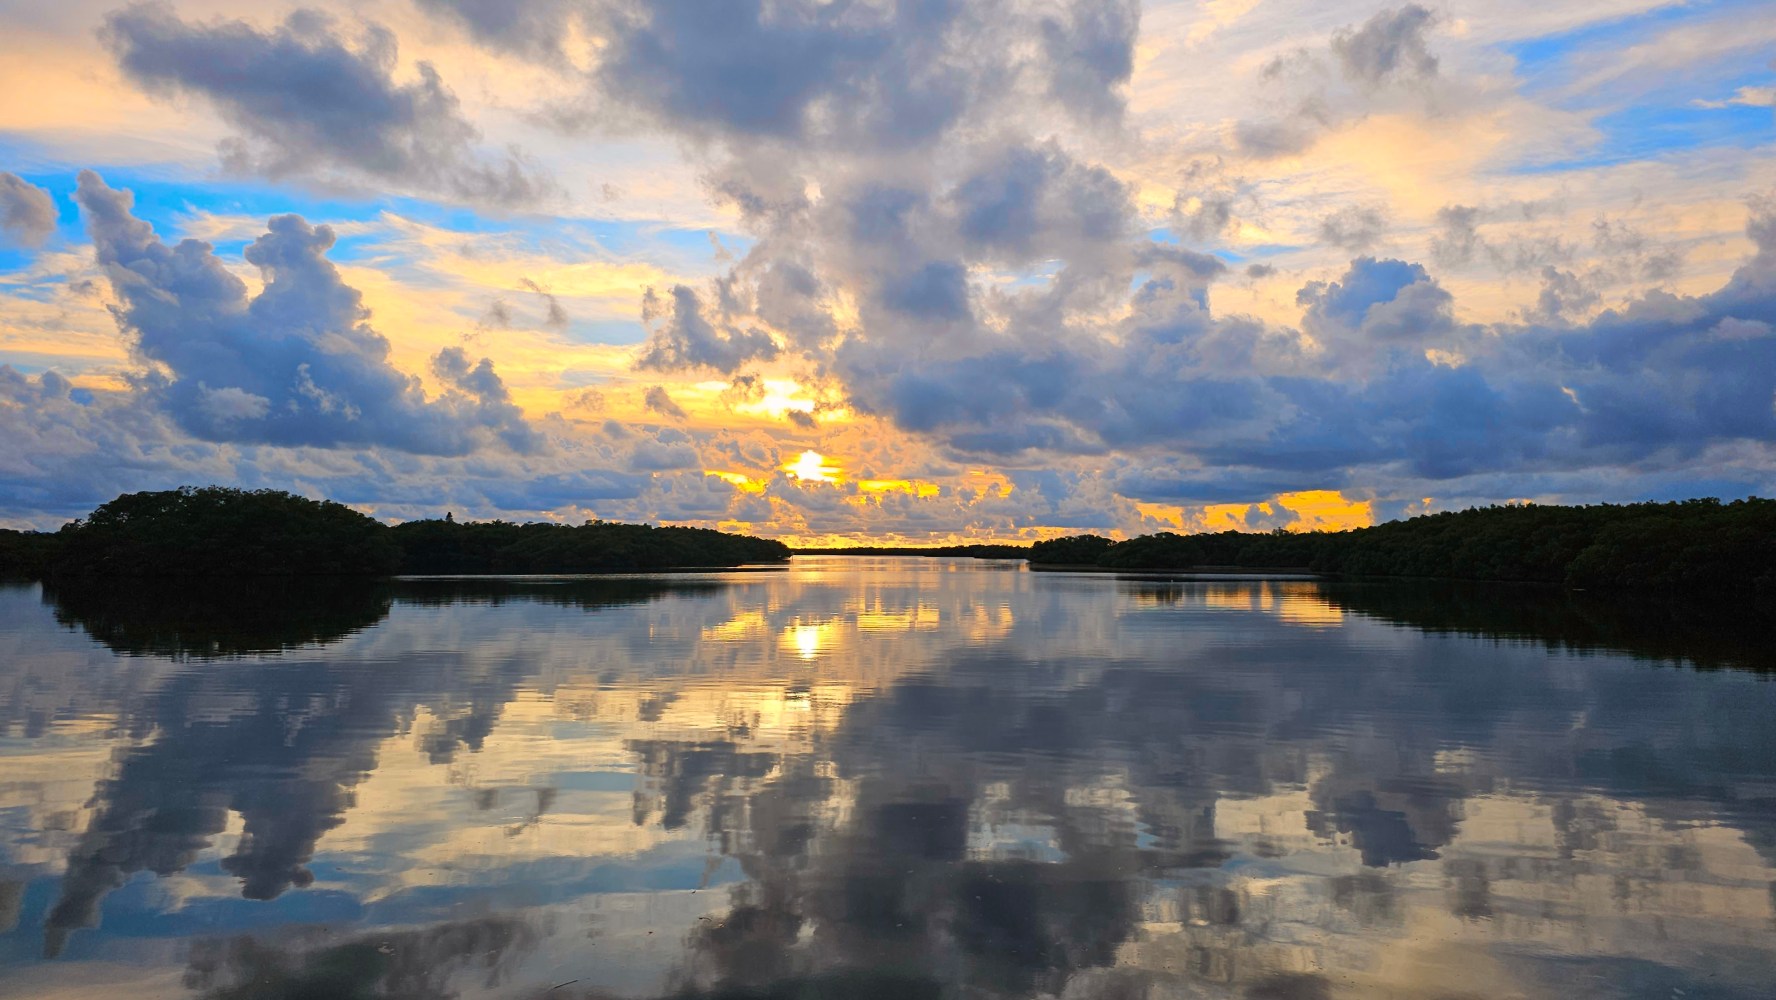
(881, 778)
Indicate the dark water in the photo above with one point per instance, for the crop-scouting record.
(882, 778)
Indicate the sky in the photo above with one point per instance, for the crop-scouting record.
(888, 271)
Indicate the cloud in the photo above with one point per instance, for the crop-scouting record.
(660, 401)
(1354, 228)
(296, 364)
(1458, 238)
(27, 212)
(1378, 300)
(1384, 64)
(1268, 138)
(554, 316)
(854, 76)
(1744, 97)
(535, 29)
(1091, 54)
(949, 223)
(307, 104)
(1208, 201)
(1389, 46)
(681, 335)
(1563, 294)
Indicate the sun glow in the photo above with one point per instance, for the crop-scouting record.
(808, 641)
(738, 480)
(813, 467)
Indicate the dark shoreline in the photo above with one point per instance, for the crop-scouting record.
(1677, 549)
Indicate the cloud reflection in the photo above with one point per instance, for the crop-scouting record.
(1123, 788)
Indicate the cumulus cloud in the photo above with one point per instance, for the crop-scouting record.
(1377, 300)
(1390, 45)
(296, 364)
(306, 103)
(934, 245)
(1563, 294)
(682, 335)
(1090, 52)
(985, 287)
(27, 212)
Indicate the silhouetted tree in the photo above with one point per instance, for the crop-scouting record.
(1073, 550)
(217, 531)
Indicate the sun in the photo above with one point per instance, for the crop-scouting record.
(812, 467)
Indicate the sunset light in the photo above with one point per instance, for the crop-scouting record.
(813, 467)
(865, 499)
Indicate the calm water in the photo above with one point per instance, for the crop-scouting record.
(881, 778)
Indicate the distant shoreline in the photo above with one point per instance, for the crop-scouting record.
(1202, 572)
(1679, 549)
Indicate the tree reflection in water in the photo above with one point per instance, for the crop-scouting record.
(282, 744)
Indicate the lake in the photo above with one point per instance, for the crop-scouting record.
(882, 778)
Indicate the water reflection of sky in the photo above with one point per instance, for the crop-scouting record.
(873, 778)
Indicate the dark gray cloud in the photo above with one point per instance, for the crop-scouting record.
(682, 335)
(852, 74)
(1090, 52)
(660, 401)
(27, 212)
(1377, 300)
(1273, 137)
(1656, 385)
(1029, 199)
(784, 69)
(535, 29)
(307, 104)
(297, 364)
(1458, 235)
(1391, 45)
(1563, 294)
(1355, 228)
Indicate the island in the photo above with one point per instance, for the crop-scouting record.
(216, 531)
(1683, 547)
(1702, 546)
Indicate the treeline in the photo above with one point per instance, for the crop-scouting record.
(218, 531)
(976, 551)
(1687, 546)
(504, 547)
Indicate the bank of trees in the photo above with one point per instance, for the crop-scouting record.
(1687, 546)
(1690, 546)
(25, 554)
(218, 531)
(504, 547)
